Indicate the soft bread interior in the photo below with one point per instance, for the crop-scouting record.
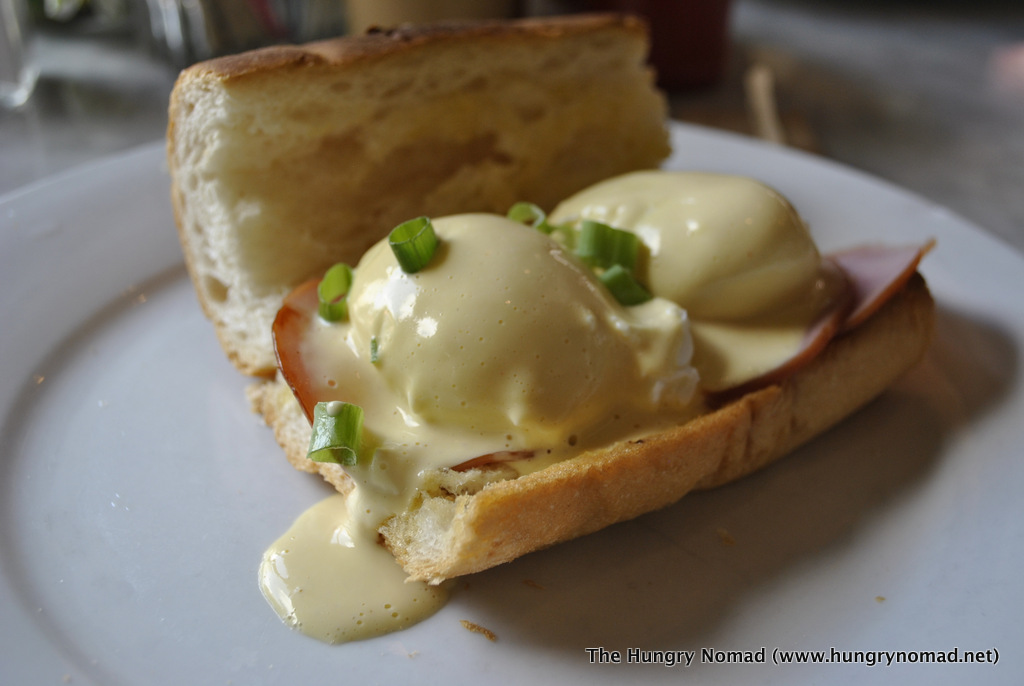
(289, 159)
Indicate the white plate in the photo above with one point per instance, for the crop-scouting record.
(137, 491)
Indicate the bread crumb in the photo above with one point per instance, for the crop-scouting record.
(725, 537)
(401, 651)
(533, 584)
(879, 598)
(491, 636)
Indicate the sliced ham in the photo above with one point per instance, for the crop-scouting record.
(291, 324)
(826, 324)
(874, 274)
(493, 458)
(877, 272)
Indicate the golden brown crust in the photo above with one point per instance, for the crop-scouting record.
(511, 518)
(377, 44)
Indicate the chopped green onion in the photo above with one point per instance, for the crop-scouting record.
(333, 292)
(374, 350)
(413, 243)
(528, 213)
(565, 234)
(337, 433)
(603, 246)
(623, 286)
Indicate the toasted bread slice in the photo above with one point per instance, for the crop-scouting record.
(288, 159)
(470, 522)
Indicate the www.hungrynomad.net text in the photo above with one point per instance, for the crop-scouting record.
(781, 656)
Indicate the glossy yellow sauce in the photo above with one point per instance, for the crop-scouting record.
(721, 246)
(332, 581)
(505, 342)
(730, 250)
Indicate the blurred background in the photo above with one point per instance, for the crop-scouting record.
(926, 94)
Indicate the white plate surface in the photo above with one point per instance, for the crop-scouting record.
(137, 492)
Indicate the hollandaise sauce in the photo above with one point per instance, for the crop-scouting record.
(507, 343)
(334, 582)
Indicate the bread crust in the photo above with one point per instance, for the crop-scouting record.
(357, 50)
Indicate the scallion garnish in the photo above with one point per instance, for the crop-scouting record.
(413, 243)
(603, 246)
(528, 213)
(623, 286)
(337, 433)
(333, 292)
(374, 350)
